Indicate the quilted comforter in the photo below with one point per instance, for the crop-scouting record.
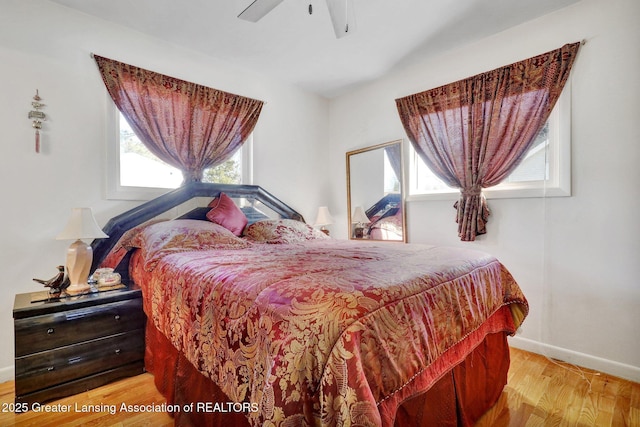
(325, 332)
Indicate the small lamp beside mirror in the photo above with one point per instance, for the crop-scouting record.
(323, 219)
(81, 225)
(360, 219)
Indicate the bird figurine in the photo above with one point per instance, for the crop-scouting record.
(56, 283)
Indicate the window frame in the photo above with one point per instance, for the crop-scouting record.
(116, 191)
(558, 153)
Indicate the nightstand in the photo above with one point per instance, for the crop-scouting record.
(69, 345)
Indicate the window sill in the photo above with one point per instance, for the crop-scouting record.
(135, 193)
(514, 192)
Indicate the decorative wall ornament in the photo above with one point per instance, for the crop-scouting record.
(37, 117)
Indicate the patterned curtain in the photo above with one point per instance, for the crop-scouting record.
(472, 133)
(189, 126)
(395, 159)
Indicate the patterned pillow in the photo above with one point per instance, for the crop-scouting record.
(122, 246)
(225, 212)
(282, 231)
(182, 235)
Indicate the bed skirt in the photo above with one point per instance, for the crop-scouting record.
(458, 398)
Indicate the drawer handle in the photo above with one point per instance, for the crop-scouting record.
(51, 368)
(50, 331)
(117, 351)
(117, 317)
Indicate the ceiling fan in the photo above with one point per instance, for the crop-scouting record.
(341, 12)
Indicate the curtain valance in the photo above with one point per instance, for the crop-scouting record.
(472, 133)
(541, 72)
(189, 126)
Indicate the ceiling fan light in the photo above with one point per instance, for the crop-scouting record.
(341, 12)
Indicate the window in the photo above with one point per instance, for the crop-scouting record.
(545, 171)
(134, 173)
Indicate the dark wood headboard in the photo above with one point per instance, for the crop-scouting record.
(120, 224)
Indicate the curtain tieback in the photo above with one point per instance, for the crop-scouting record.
(475, 190)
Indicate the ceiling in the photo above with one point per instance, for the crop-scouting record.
(301, 49)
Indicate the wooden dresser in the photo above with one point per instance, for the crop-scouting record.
(70, 345)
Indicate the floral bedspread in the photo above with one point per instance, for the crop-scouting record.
(324, 332)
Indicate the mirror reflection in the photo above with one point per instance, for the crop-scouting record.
(375, 198)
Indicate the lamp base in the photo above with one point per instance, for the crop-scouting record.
(79, 258)
(78, 289)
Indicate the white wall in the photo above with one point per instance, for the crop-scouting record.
(577, 258)
(46, 46)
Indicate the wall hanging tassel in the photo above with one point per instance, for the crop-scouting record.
(37, 117)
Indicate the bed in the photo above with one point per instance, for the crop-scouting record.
(283, 326)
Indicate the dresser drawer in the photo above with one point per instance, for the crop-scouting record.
(49, 368)
(40, 333)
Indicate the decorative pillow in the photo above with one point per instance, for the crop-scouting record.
(129, 235)
(182, 235)
(225, 212)
(120, 249)
(282, 231)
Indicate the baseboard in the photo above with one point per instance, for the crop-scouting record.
(617, 369)
(7, 374)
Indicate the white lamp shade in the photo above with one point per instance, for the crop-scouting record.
(324, 217)
(359, 216)
(81, 225)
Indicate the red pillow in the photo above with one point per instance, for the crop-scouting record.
(225, 212)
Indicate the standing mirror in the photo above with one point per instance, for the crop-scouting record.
(375, 194)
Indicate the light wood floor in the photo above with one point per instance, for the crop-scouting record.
(540, 392)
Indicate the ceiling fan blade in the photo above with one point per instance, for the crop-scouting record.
(259, 8)
(343, 17)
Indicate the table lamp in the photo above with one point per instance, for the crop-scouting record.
(323, 218)
(81, 225)
(360, 218)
